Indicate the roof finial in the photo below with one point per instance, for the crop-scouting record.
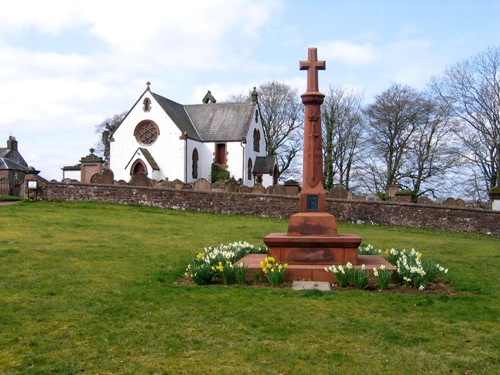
(255, 95)
(148, 84)
(209, 98)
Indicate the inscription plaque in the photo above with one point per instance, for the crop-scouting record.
(312, 203)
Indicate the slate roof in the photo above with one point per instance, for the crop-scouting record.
(149, 158)
(209, 122)
(264, 164)
(221, 122)
(9, 164)
(14, 156)
(178, 115)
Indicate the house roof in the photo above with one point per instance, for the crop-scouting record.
(9, 164)
(13, 155)
(209, 122)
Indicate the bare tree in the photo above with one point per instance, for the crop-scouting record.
(282, 114)
(432, 151)
(342, 129)
(105, 129)
(471, 89)
(393, 118)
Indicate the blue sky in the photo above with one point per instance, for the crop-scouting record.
(65, 66)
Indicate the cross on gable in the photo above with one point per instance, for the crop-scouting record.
(312, 66)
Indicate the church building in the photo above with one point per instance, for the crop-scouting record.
(167, 141)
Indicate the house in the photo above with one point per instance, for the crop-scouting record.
(12, 169)
(167, 141)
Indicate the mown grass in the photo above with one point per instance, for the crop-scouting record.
(88, 287)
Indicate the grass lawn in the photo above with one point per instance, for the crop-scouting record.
(89, 288)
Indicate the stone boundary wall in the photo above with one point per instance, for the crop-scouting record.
(361, 212)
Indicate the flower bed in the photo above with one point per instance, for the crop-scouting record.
(215, 264)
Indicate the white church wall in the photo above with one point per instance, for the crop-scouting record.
(267, 179)
(167, 150)
(235, 159)
(205, 158)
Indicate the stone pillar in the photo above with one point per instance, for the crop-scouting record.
(495, 198)
(90, 165)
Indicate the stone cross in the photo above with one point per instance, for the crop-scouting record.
(312, 197)
(312, 66)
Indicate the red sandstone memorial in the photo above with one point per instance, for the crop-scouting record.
(312, 241)
(312, 237)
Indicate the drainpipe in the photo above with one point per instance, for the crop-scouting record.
(243, 141)
(185, 157)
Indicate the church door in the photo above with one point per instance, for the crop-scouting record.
(220, 154)
(139, 167)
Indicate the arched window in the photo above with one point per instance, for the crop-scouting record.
(194, 172)
(256, 116)
(249, 169)
(137, 167)
(256, 140)
(146, 105)
(146, 132)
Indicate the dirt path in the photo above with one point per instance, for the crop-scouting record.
(8, 203)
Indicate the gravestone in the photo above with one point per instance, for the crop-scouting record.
(245, 189)
(96, 178)
(424, 200)
(108, 177)
(139, 179)
(177, 184)
(276, 190)
(312, 239)
(218, 186)
(339, 192)
(232, 186)
(201, 184)
(292, 187)
(450, 202)
(258, 188)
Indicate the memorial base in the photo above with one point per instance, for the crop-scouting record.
(313, 249)
(311, 272)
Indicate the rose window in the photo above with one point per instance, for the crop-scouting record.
(146, 133)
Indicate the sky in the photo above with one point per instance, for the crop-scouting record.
(66, 66)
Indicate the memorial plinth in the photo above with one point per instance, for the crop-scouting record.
(312, 241)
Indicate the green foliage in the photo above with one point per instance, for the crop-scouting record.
(340, 274)
(241, 271)
(357, 276)
(8, 198)
(383, 277)
(218, 173)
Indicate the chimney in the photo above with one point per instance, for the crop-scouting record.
(12, 143)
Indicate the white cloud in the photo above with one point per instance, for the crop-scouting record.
(347, 51)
